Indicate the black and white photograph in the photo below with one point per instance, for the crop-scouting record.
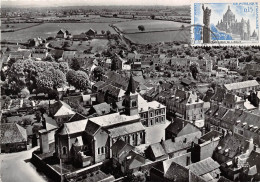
(130, 91)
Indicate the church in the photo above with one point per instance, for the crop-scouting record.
(229, 24)
(91, 139)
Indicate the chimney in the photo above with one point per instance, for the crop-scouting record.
(203, 131)
(183, 124)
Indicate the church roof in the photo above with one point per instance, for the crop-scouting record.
(131, 88)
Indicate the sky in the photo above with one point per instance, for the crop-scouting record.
(219, 9)
(93, 2)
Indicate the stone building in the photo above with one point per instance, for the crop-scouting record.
(229, 24)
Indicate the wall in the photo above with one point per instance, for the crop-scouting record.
(101, 140)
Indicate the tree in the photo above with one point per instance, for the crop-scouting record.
(98, 72)
(59, 78)
(44, 82)
(82, 80)
(75, 64)
(141, 28)
(103, 32)
(194, 68)
(152, 17)
(71, 76)
(182, 26)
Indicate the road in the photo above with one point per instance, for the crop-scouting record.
(15, 167)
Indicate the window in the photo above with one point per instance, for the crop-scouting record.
(133, 103)
(151, 114)
(64, 150)
(102, 150)
(98, 150)
(133, 136)
(162, 118)
(157, 120)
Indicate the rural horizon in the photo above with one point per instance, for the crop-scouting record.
(77, 3)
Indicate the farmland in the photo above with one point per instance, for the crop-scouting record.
(154, 37)
(15, 26)
(150, 25)
(50, 29)
(155, 31)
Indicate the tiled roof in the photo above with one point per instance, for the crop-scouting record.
(120, 146)
(143, 105)
(233, 143)
(157, 149)
(92, 128)
(113, 119)
(210, 135)
(177, 172)
(102, 108)
(73, 127)
(178, 124)
(126, 129)
(12, 133)
(223, 179)
(204, 166)
(219, 94)
(240, 85)
(171, 146)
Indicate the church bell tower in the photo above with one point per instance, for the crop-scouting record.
(131, 98)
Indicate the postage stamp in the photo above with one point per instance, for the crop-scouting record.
(225, 24)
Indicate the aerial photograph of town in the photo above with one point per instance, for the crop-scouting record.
(129, 91)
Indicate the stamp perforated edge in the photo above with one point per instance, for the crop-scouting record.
(192, 2)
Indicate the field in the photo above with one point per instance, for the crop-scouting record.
(155, 37)
(149, 25)
(14, 26)
(50, 29)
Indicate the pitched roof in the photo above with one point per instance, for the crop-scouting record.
(102, 108)
(73, 127)
(179, 124)
(233, 143)
(240, 85)
(113, 119)
(12, 133)
(177, 172)
(120, 146)
(171, 146)
(210, 135)
(77, 117)
(157, 149)
(126, 129)
(219, 94)
(204, 166)
(91, 128)
(131, 88)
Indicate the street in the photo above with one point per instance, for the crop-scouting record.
(15, 167)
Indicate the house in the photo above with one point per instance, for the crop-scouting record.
(243, 87)
(207, 169)
(91, 33)
(16, 55)
(156, 152)
(231, 153)
(120, 150)
(13, 138)
(181, 130)
(174, 149)
(100, 109)
(160, 169)
(61, 112)
(206, 146)
(62, 33)
(180, 63)
(103, 131)
(186, 105)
